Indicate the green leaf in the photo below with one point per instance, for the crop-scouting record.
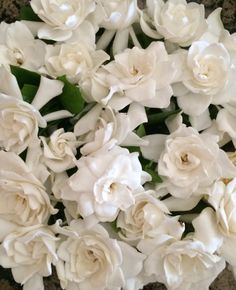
(150, 168)
(25, 76)
(71, 97)
(27, 13)
(28, 92)
(141, 131)
(155, 177)
(160, 117)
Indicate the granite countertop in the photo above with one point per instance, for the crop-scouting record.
(9, 11)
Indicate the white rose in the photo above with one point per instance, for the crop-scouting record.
(18, 47)
(135, 75)
(147, 218)
(99, 126)
(181, 265)
(92, 260)
(105, 183)
(61, 17)
(208, 79)
(117, 15)
(187, 160)
(73, 60)
(23, 199)
(175, 20)
(29, 252)
(59, 150)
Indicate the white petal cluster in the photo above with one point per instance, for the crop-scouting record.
(175, 20)
(105, 182)
(136, 75)
(61, 18)
(90, 259)
(23, 197)
(18, 47)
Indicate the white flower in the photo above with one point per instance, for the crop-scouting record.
(181, 265)
(208, 78)
(19, 123)
(223, 199)
(92, 260)
(19, 120)
(187, 160)
(18, 47)
(175, 20)
(105, 182)
(61, 17)
(73, 60)
(29, 252)
(147, 218)
(99, 126)
(135, 75)
(23, 199)
(59, 150)
(117, 15)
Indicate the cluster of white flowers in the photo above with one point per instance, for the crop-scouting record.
(113, 120)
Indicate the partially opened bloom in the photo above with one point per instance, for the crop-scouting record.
(105, 183)
(100, 125)
(117, 18)
(59, 150)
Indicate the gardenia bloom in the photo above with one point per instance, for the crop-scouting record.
(180, 265)
(208, 79)
(187, 160)
(73, 60)
(19, 123)
(59, 150)
(18, 47)
(19, 120)
(23, 199)
(117, 15)
(105, 183)
(223, 199)
(175, 20)
(61, 18)
(136, 75)
(117, 18)
(90, 259)
(216, 228)
(99, 126)
(29, 252)
(147, 218)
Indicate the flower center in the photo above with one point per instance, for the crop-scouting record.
(18, 56)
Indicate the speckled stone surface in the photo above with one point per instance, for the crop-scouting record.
(9, 11)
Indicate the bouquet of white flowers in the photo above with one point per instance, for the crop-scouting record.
(117, 136)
